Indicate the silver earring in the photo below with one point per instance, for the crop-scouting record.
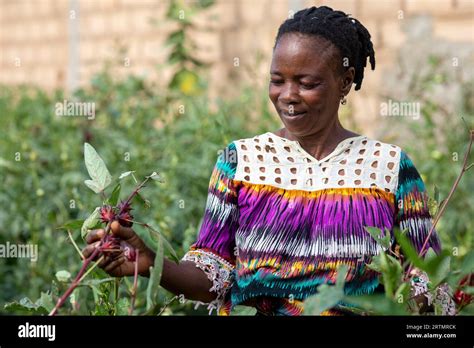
(343, 100)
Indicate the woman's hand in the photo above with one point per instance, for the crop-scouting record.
(119, 262)
(181, 279)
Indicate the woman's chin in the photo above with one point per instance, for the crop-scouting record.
(294, 121)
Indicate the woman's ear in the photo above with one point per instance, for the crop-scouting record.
(347, 80)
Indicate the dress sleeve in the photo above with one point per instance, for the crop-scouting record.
(214, 250)
(412, 210)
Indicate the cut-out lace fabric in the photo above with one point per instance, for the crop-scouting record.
(360, 162)
(443, 294)
(218, 271)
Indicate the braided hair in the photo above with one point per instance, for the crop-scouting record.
(346, 33)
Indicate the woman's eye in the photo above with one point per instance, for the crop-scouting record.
(276, 82)
(308, 85)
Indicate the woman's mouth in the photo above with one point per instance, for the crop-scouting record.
(293, 115)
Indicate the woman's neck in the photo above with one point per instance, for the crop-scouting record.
(321, 143)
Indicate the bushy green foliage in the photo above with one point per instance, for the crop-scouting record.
(136, 127)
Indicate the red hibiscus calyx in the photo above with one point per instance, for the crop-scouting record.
(107, 214)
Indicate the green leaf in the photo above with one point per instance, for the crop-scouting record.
(243, 311)
(90, 222)
(325, 298)
(377, 304)
(376, 264)
(63, 276)
(155, 276)
(96, 168)
(438, 268)
(170, 250)
(25, 305)
(386, 240)
(155, 176)
(469, 290)
(46, 301)
(96, 293)
(373, 231)
(408, 249)
(156, 236)
(436, 193)
(142, 200)
(93, 186)
(328, 296)
(390, 270)
(125, 174)
(402, 292)
(432, 206)
(467, 265)
(376, 233)
(387, 275)
(341, 277)
(72, 225)
(122, 306)
(115, 195)
(95, 282)
(430, 254)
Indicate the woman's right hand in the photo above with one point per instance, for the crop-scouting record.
(119, 263)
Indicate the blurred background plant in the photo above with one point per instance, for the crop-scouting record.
(441, 81)
(133, 130)
(137, 126)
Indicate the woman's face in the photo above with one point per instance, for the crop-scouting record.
(306, 85)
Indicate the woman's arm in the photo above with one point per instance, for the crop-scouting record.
(188, 280)
(183, 278)
(205, 274)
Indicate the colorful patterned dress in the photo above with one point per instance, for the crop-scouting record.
(278, 222)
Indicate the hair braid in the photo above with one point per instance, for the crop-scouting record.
(346, 33)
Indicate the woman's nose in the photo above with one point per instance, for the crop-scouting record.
(289, 93)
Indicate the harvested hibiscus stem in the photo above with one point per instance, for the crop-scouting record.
(107, 214)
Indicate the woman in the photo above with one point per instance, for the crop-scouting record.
(285, 209)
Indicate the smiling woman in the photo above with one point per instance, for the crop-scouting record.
(286, 209)
(318, 55)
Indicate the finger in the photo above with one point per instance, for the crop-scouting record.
(94, 236)
(108, 258)
(88, 250)
(105, 261)
(114, 264)
(121, 231)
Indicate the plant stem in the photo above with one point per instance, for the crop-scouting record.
(465, 167)
(75, 245)
(166, 305)
(144, 224)
(75, 283)
(135, 179)
(135, 283)
(78, 278)
(135, 191)
(92, 268)
(455, 185)
(95, 253)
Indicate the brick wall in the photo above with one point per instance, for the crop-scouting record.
(36, 48)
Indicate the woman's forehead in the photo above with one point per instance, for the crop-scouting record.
(303, 53)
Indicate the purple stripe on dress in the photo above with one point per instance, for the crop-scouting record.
(267, 218)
